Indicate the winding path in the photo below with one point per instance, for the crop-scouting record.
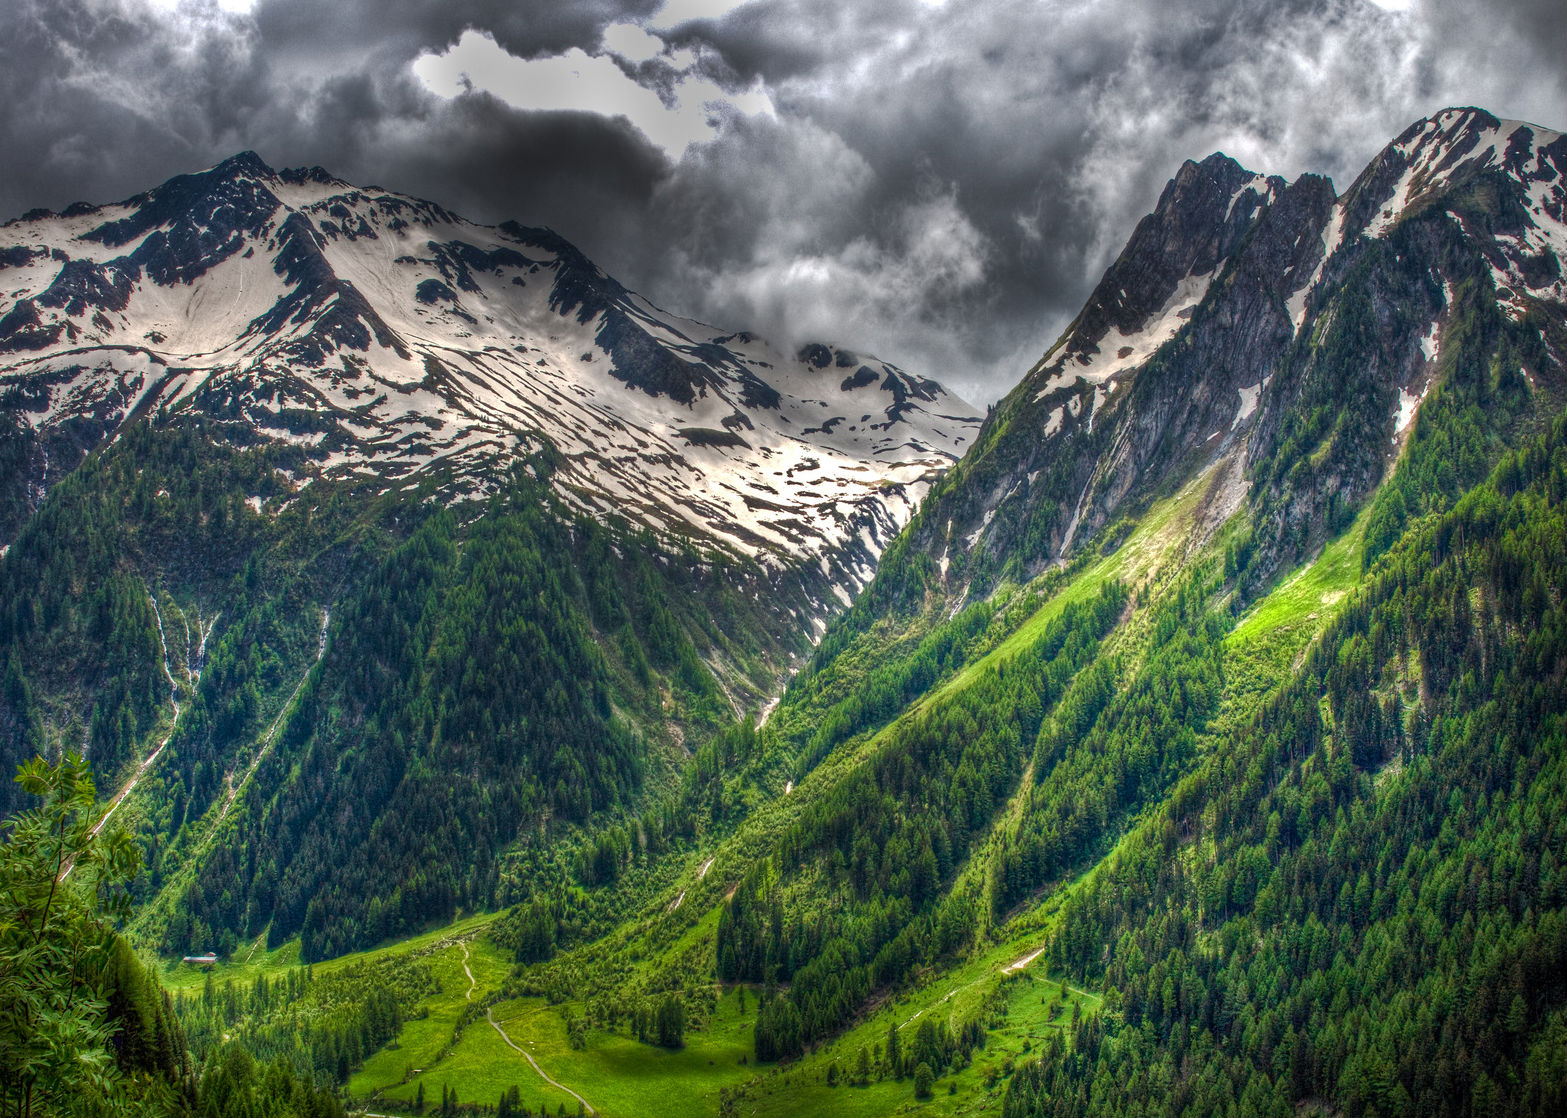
(1012, 968)
(471, 982)
(1023, 962)
(494, 1024)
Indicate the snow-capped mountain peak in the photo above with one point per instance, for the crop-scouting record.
(390, 337)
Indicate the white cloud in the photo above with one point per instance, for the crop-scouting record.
(632, 42)
(679, 11)
(580, 82)
(237, 7)
(901, 294)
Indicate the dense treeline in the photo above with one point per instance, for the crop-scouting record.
(473, 694)
(888, 688)
(1359, 898)
(720, 783)
(886, 839)
(321, 1027)
(485, 670)
(1106, 753)
(78, 624)
(463, 693)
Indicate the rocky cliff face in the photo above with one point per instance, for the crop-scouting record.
(1276, 334)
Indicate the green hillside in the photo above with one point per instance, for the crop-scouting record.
(1048, 847)
(1177, 767)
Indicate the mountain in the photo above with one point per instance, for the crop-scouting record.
(1186, 685)
(1218, 339)
(1198, 747)
(391, 341)
(1168, 761)
(338, 522)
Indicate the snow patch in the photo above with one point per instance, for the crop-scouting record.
(459, 384)
(1332, 238)
(1248, 404)
(1119, 351)
(1408, 406)
(973, 537)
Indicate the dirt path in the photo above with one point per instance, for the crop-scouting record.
(471, 983)
(130, 785)
(494, 1024)
(1029, 958)
(1023, 962)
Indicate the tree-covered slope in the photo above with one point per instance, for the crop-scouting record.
(361, 702)
(360, 547)
(1357, 897)
(1058, 762)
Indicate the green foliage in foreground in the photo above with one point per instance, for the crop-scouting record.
(85, 1029)
(54, 952)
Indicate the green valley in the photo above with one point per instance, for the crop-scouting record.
(1196, 745)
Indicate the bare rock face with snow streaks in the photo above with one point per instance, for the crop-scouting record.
(1242, 311)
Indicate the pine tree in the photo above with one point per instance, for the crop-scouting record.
(54, 946)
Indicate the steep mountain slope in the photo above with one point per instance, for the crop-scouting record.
(390, 339)
(347, 537)
(1266, 369)
(1198, 748)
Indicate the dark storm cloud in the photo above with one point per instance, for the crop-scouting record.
(105, 99)
(937, 183)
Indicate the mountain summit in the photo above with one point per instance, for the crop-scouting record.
(392, 340)
(385, 539)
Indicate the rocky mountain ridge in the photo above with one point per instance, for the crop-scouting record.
(1229, 326)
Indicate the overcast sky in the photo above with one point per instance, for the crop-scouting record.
(937, 183)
